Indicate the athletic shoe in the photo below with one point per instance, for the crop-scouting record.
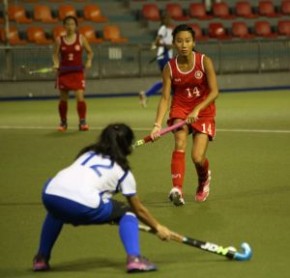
(40, 263)
(83, 126)
(62, 127)
(143, 99)
(176, 197)
(202, 191)
(139, 264)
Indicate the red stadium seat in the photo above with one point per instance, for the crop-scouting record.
(240, 30)
(197, 10)
(37, 35)
(221, 10)
(263, 29)
(93, 13)
(285, 7)
(65, 10)
(216, 30)
(112, 33)
(89, 33)
(58, 31)
(43, 13)
(284, 28)
(244, 9)
(151, 12)
(18, 13)
(198, 32)
(266, 8)
(13, 36)
(175, 11)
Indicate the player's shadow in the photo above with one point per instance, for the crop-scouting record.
(88, 263)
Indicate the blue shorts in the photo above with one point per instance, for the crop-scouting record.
(74, 213)
(162, 62)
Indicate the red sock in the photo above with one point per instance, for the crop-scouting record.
(202, 170)
(177, 168)
(62, 110)
(82, 109)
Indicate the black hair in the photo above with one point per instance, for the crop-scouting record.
(70, 17)
(183, 27)
(114, 141)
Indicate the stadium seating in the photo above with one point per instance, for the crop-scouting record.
(266, 8)
(18, 13)
(221, 10)
(216, 30)
(240, 30)
(43, 13)
(244, 9)
(198, 32)
(65, 10)
(37, 35)
(58, 31)
(151, 12)
(13, 36)
(263, 29)
(92, 12)
(285, 7)
(112, 33)
(198, 11)
(89, 32)
(284, 28)
(175, 11)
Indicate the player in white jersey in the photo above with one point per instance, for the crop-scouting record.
(81, 194)
(164, 53)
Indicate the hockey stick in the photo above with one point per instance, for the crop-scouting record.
(163, 131)
(229, 252)
(50, 69)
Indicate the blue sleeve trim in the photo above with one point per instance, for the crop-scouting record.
(130, 195)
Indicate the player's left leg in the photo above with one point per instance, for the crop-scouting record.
(82, 110)
(198, 155)
(157, 86)
(51, 229)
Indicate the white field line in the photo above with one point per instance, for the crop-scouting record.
(147, 129)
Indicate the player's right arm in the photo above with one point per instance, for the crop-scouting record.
(163, 102)
(55, 55)
(147, 218)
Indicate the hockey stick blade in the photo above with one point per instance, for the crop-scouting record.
(246, 254)
(162, 132)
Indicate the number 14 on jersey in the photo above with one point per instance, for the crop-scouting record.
(192, 92)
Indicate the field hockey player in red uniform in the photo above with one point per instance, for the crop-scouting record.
(191, 79)
(67, 59)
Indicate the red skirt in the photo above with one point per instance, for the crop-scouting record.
(71, 81)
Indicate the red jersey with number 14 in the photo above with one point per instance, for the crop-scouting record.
(189, 89)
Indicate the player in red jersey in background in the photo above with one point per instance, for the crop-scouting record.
(192, 79)
(67, 58)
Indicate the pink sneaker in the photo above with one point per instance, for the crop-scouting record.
(40, 263)
(176, 197)
(139, 264)
(62, 127)
(83, 126)
(202, 191)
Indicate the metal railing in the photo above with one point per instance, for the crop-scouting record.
(132, 60)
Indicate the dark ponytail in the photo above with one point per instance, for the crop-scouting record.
(115, 141)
